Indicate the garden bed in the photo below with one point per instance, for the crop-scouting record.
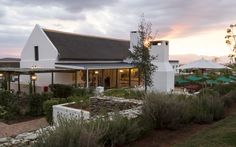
(20, 119)
(77, 106)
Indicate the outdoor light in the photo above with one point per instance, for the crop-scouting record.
(34, 77)
(1, 74)
(96, 72)
(121, 70)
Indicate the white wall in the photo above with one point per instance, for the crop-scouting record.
(47, 56)
(163, 77)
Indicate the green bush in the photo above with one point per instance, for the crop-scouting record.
(207, 108)
(119, 130)
(225, 88)
(61, 91)
(3, 112)
(229, 98)
(36, 103)
(99, 132)
(82, 92)
(47, 108)
(165, 111)
(82, 101)
(125, 93)
(208, 92)
(69, 133)
(10, 102)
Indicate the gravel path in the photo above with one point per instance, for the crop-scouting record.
(14, 129)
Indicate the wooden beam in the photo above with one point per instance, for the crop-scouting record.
(103, 82)
(117, 76)
(30, 85)
(18, 83)
(139, 77)
(129, 77)
(52, 80)
(75, 78)
(87, 78)
(8, 81)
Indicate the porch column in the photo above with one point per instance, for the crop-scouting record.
(8, 81)
(18, 83)
(103, 78)
(129, 77)
(87, 78)
(139, 77)
(52, 80)
(75, 78)
(117, 78)
(30, 86)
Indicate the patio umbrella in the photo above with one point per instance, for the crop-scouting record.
(203, 64)
(224, 79)
(181, 81)
(193, 78)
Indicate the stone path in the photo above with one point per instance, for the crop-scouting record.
(14, 129)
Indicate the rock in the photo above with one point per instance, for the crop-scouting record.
(3, 140)
(23, 135)
(31, 137)
(15, 141)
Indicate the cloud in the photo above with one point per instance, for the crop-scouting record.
(70, 5)
(112, 18)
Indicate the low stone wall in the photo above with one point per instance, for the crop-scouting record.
(22, 140)
(66, 112)
(111, 104)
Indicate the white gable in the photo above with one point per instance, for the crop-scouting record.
(47, 51)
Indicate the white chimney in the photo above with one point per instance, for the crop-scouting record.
(163, 77)
(134, 39)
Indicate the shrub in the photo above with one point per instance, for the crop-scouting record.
(61, 91)
(125, 93)
(208, 92)
(82, 92)
(10, 102)
(82, 101)
(119, 130)
(69, 133)
(3, 112)
(207, 108)
(225, 88)
(47, 108)
(36, 103)
(99, 132)
(229, 98)
(165, 111)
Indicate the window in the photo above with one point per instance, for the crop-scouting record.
(36, 53)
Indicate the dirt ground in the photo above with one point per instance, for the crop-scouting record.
(17, 128)
(167, 138)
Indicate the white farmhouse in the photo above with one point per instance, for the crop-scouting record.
(95, 61)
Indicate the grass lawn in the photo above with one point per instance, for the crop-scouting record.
(220, 134)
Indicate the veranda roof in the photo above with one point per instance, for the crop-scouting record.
(84, 66)
(203, 64)
(34, 70)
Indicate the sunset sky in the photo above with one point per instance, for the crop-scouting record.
(192, 26)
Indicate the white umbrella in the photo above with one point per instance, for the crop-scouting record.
(203, 64)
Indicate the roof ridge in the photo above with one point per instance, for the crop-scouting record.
(71, 33)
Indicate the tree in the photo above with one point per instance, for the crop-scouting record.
(231, 41)
(141, 54)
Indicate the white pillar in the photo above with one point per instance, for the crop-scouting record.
(163, 77)
(87, 78)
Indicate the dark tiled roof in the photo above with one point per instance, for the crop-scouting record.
(10, 59)
(10, 62)
(80, 47)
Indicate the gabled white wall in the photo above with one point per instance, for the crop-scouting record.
(47, 56)
(163, 77)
